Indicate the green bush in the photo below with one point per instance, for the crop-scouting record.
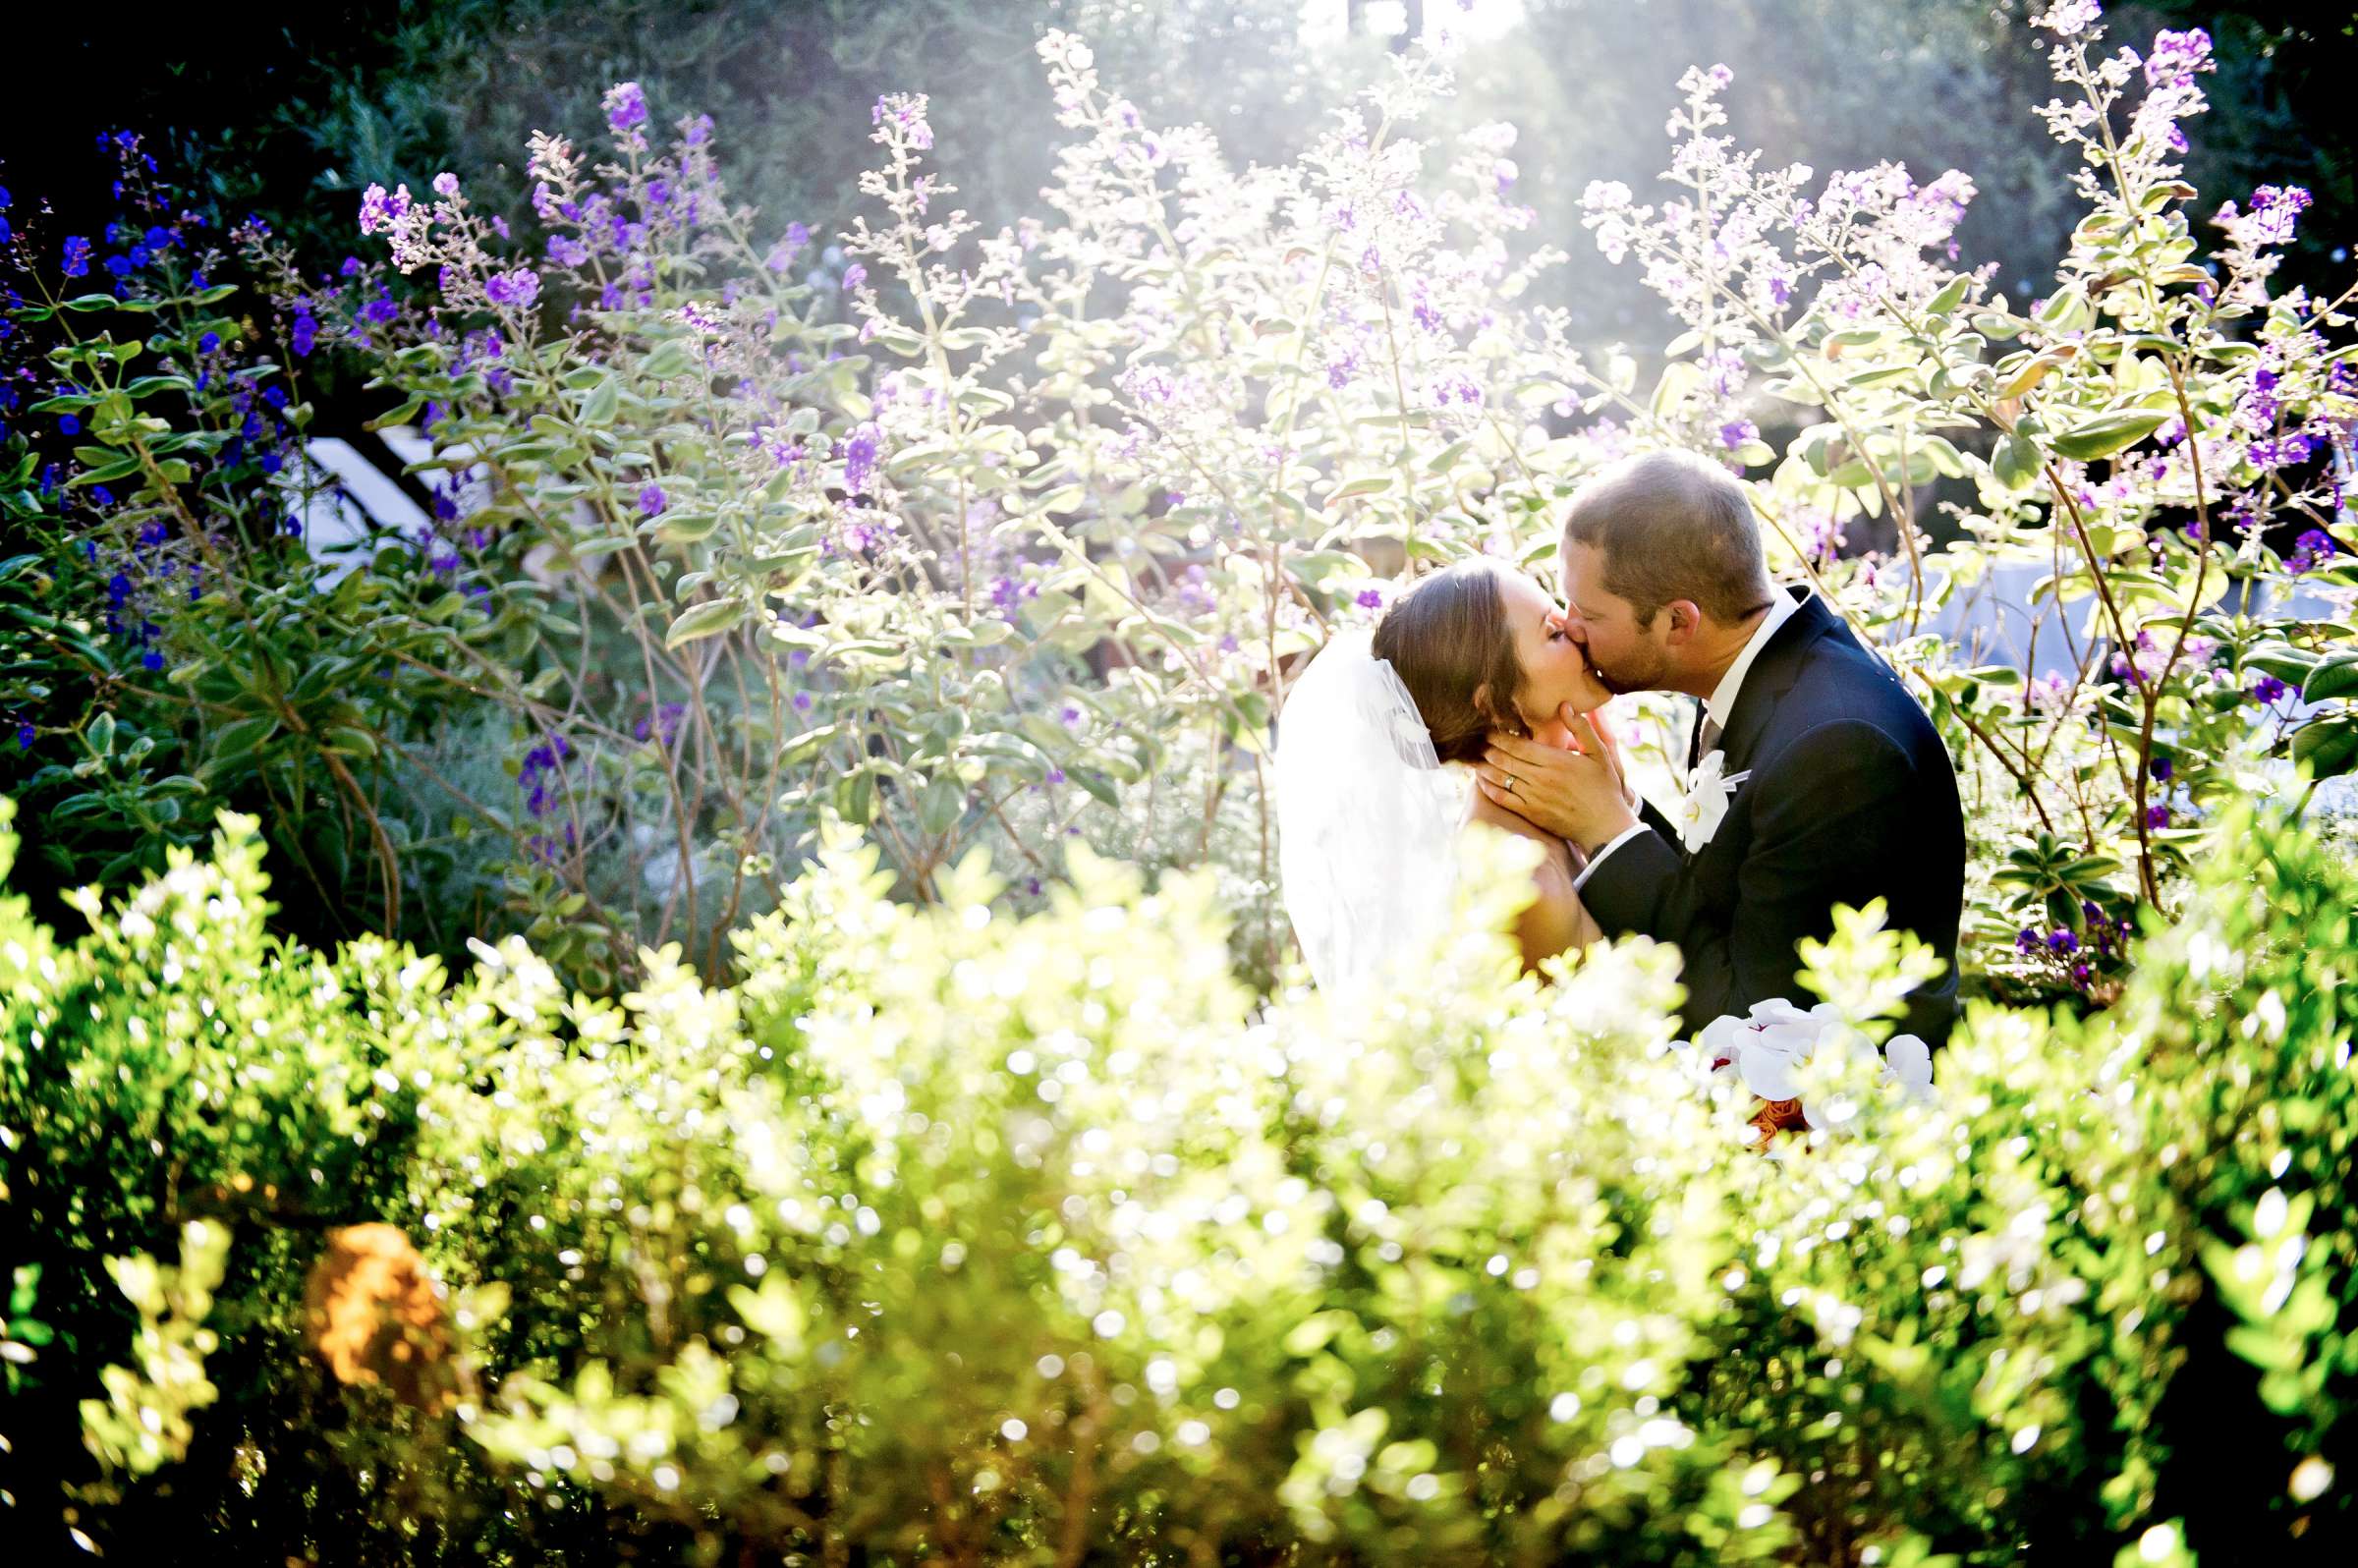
(949, 1235)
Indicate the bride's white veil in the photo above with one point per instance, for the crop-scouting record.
(1367, 817)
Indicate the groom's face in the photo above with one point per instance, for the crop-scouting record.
(1625, 656)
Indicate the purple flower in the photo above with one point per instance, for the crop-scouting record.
(446, 185)
(2067, 19)
(2156, 816)
(77, 256)
(1069, 716)
(2063, 940)
(2026, 940)
(379, 210)
(567, 251)
(516, 290)
(2177, 57)
(625, 104)
(907, 112)
(2309, 551)
(304, 332)
(651, 499)
(859, 458)
(802, 701)
(1736, 432)
(1370, 600)
(853, 277)
(2267, 689)
(2161, 768)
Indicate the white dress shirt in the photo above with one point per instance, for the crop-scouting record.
(1718, 708)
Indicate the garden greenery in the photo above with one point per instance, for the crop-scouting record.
(953, 1235)
(882, 1127)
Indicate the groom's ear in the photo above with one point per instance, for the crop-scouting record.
(1686, 619)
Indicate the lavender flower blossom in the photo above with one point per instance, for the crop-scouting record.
(515, 290)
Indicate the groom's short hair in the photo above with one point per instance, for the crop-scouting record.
(1671, 526)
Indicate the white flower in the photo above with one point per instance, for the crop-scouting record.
(1700, 811)
(1768, 1047)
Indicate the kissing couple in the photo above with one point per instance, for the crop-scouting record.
(1813, 778)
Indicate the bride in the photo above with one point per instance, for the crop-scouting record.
(1373, 783)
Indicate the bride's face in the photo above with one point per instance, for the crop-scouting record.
(1555, 668)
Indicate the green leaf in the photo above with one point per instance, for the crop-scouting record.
(600, 407)
(2327, 746)
(2108, 433)
(685, 528)
(401, 415)
(90, 302)
(2337, 676)
(1951, 295)
(1367, 485)
(709, 619)
(668, 360)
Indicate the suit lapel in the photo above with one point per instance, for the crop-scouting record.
(1771, 676)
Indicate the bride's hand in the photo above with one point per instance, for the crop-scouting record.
(1591, 736)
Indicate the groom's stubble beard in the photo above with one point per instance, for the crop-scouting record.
(1627, 681)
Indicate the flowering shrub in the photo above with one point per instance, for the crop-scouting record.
(1026, 1237)
(2167, 440)
(1016, 535)
(168, 643)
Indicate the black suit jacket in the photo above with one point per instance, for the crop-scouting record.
(1852, 797)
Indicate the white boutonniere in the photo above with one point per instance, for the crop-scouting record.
(1703, 806)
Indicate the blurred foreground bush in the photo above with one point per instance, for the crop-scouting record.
(949, 1236)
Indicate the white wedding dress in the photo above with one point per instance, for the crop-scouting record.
(1367, 817)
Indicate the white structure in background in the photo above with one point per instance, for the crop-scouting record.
(348, 508)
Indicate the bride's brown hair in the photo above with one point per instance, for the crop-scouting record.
(1450, 641)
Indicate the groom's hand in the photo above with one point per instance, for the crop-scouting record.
(1575, 794)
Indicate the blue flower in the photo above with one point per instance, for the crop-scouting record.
(5, 199)
(24, 735)
(119, 266)
(2267, 689)
(69, 425)
(77, 256)
(304, 331)
(103, 497)
(152, 660)
(211, 342)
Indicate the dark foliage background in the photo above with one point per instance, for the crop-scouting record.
(294, 111)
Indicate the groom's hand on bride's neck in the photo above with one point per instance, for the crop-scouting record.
(1575, 794)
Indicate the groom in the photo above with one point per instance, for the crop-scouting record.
(1843, 791)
